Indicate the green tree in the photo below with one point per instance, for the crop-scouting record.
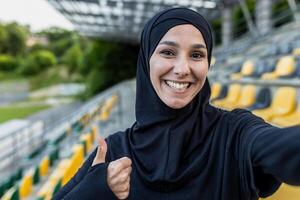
(17, 36)
(73, 58)
(109, 63)
(8, 63)
(3, 39)
(37, 61)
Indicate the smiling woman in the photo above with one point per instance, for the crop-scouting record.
(180, 146)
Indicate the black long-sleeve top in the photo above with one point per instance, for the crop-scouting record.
(245, 158)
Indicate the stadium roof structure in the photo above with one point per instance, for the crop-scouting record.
(122, 19)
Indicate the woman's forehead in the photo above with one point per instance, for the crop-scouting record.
(183, 33)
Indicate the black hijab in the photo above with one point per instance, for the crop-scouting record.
(165, 143)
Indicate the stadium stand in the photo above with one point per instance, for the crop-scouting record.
(85, 134)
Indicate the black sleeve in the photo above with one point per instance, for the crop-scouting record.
(86, 182)
(268, 155)
(93, 186)
(276, 151)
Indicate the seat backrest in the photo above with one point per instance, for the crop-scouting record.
(247, 68)
(285, 66)
(264, 96)
(215, 90)
(284, 99)
(247, 96)
(234, 92)
(296, 51)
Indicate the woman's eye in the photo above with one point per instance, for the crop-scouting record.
(197, 55)
(167, 53)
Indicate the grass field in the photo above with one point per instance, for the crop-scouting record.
(12, 112)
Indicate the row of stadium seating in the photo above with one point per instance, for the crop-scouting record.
(23, 186)
(286, 67)
(279, 109)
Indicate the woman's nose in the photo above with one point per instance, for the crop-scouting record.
(181, 67)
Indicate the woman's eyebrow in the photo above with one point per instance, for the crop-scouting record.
(174, 44)
(199, 46)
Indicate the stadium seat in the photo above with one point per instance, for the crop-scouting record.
(215, 90)
(264, 66)
(283, 103)
(75, 162)
(87, 139)
(36, 175)
(26, 184)
(231, 98)
(285, 67)
(296, 52)
(44, 166)
(222, 94)
(263, 99)
(246, 99)
(55, 179)
(54, 155)
(285, 192)
(288, 120)
(12, 194)
(246, 70)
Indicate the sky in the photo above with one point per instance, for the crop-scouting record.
(39, 14)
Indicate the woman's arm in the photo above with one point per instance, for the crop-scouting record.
(276, 151)
(92, 186)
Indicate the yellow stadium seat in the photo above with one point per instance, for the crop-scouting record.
(296, 52)
(88, 139)
(284, 67)
(288, 120)
(285, 192)
(56, 176)
(231, 98)
(44, 166)
(247, 69)
(283, 103)
(94, 133)
(215, 90)
(75, 162)
(246, 99)
(26, 184)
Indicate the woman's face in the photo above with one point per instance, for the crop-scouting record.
(178, 65)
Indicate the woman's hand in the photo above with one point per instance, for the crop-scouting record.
(118, 172)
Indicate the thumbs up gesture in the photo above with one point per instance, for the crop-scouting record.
(118, 171)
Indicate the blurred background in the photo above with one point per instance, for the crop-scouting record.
(67, 71)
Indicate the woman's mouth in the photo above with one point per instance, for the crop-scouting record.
(177, 85)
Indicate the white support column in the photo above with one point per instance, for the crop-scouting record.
(263, 11)
(226, 26)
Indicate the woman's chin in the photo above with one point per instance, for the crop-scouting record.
(176, 103)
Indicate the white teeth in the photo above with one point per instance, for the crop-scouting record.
(177, 85)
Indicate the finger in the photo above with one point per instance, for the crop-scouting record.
(123, 188)
(123, 195)
(117, 166)
(101, 152)
(120, 179)
(125, 161)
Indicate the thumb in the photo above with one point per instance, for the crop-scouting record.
(101, 152)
